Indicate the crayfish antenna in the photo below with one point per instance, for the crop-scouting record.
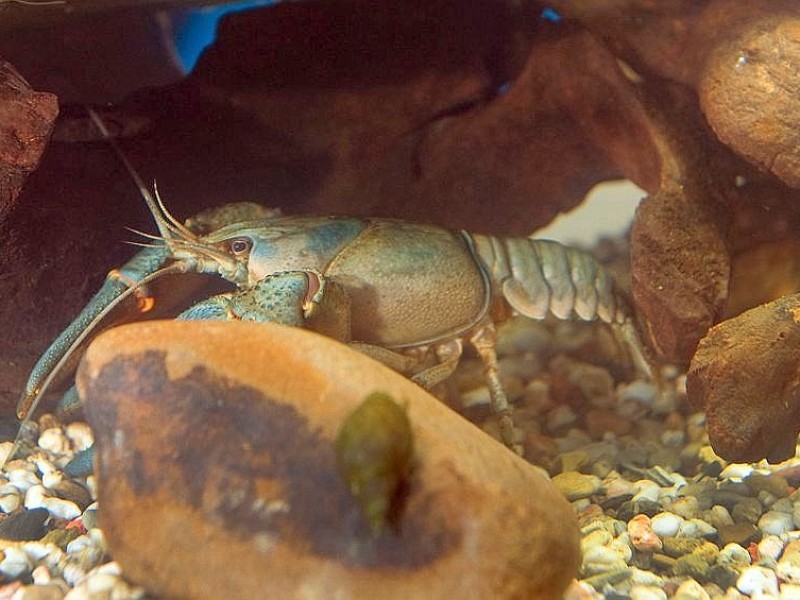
(168, 226)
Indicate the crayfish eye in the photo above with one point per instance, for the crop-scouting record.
(240, 246)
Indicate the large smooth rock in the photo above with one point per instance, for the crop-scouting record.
(218, 476)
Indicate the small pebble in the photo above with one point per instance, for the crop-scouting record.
(692, 565)
(601, 559)
(641, 534)
(24, 525)
(756, 580)
(646, 490)
(80, 435)
(790, 591)
(39, 592)
(53, 440)
(691, 590)
(666, 524)
(62, 509)
(775, 523)
(576, 485)
(739, 533)
(734, 554)
(15, 563)
(687, 507)
(770, 547)
(647, 592)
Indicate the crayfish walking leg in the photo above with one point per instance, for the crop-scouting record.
(484, 340)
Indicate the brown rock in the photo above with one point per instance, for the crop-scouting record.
(751, 94)
(679, 270)
(220, 436)
(745, 375)
(26, 121)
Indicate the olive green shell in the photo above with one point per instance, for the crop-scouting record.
(374, 451)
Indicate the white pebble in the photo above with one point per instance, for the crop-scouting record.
(105, 581)
(41, 574)
(617, 486)
(54, 558)
(647, 490)
(35, 496)
(666, 524)
(622, 546)
(736, 471)
(22, 479)
(51, 480)
(687, 507)
(36, 551)
(783, 505)
(647, 592)
(15, 563)
(43, 465)
(111, 567)
(696, 528)
(788, 568)
(62, 509)
(790, 591)
(99, 538)
(101, 583)
(734, 554)
(9, 502)
(602, 559)
(642, 577)
(757, 580)
(39, 592)
(775, 523)
(80, 434)
(770, 547)
(53, 440)
(637, 391)
(691, 589)
(598, 537)
(72, 574)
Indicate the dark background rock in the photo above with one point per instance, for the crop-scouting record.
(26, 121)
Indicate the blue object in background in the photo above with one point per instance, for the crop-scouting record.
(196, 28)
(548, 14)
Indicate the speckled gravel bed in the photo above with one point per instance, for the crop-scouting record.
(661, 515)
(50, 545)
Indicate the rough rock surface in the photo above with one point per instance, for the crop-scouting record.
(233, 469)
(750, 93)
(26, 121)
(745, 374)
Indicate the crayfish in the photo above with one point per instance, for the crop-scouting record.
(400, 292)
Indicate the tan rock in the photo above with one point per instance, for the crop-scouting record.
(218, 476)
(744, 375)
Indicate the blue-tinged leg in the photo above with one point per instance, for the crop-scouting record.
(118, 281)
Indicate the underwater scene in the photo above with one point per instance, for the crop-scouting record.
(352, 300)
